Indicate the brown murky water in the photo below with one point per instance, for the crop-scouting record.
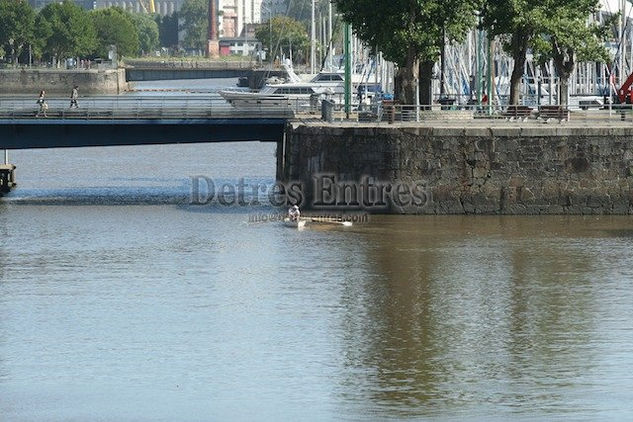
(155, 310)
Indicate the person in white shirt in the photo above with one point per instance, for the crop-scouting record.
(294, 213)
(74, 94)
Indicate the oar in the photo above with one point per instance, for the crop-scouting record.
(324, 221)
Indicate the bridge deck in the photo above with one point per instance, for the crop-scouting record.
(136, 120)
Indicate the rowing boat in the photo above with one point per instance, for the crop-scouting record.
(333, 221)
(297, 224)
(301, 223)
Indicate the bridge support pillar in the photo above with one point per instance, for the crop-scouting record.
(282, 154)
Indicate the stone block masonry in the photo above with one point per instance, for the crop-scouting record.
(504, 169)
(61, 81)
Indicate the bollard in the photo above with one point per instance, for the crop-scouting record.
(327, 111)
(390, 110)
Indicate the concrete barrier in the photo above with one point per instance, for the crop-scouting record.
(61, 81)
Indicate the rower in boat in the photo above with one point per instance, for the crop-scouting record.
(293, 213)
(294, 218)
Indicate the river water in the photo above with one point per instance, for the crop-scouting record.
(120, 301)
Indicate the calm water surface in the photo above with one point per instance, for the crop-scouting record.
(121, 302)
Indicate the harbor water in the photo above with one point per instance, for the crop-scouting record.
(120, 300)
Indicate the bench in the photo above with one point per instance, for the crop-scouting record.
(587, 104)
(517, 112)
(367, 116)
(557, 112)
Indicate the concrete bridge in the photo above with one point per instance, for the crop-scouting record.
(117, 120)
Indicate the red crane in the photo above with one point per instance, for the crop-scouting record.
(624, 93)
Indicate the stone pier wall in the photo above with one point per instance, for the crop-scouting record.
(61, 81)
(542, 169)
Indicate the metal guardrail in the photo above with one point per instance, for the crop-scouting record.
(139, 108)
(392, 113)
(215, 107)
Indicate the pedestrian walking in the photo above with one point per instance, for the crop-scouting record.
(41, 101)
(74, 94)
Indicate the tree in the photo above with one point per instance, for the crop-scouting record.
(147, 32)
(521, 21)
(71, 30)
(43, 32)
(283, 34)
(114, 26)
(167, 30)
(194, 14)
(410, 31)
(555, 29)
(17, 26)
(567, 38)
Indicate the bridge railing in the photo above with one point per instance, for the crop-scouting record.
(136, 108)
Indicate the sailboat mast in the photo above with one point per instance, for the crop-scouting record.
(621, 75)
(312, 40)
(329, 36)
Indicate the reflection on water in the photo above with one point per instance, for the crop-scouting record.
(153, 309)
(479, 316)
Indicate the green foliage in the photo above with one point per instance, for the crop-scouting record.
(567, 32)
(115, 26)
(70, 29)
(167, 30)
(519, 22)
(541, 22)
(283, 34)
(194, 14)
(409, 31)
(571, 39)
(147, 32)
(43, 31)
(17, 25)
(401, 27)
(553, 29)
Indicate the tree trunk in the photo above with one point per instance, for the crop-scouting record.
(563, 90)
(426, 82)
(564, 62)
(408, 76)
(519, 53)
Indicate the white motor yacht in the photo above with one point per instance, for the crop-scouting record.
(325, 85)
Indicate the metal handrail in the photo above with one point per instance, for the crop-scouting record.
(150, 107)
(391, 113)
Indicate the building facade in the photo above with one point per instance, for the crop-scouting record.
(235, 15)
(163, 7)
